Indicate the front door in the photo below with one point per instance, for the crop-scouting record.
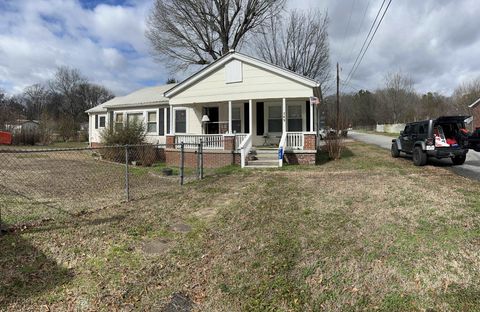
(212, 126)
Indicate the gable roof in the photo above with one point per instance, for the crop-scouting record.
(143, 97)
(243, 58)
(474, 103)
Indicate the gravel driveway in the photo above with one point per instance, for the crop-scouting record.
(471, 168)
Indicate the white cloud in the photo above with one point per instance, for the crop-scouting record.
(433, 41)
(107, 44)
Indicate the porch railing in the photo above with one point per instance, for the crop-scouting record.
(295, 140)
(245, 146)
(239, 137)
(210, 141)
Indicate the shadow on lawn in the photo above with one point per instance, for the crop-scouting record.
(26, 271)
(322, 158)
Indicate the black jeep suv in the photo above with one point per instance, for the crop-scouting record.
(444, 137)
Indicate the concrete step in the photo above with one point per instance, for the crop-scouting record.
(266, 151)
(266, 156)
(264, 162)
(260, 166)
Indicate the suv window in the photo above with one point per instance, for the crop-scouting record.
(407, 130)
(421, 129)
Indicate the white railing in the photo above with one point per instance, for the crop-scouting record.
(281, 148)
(239, 137)
(245, 146)
(295, 140)
(210, 141)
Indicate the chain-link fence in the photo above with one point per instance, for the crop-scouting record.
(40, 185)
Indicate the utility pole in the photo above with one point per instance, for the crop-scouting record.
(338, 100)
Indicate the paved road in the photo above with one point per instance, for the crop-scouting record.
(471, 168)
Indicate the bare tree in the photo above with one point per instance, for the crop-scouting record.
(198, 32)
(35, 99)
(399, 96)
(91, 95)
(66, 82)
(298, 42)
(464, 95)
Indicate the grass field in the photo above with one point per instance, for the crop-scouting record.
(367, 232)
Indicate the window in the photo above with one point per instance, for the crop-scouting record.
(275, 118)
(152, 122)
(101, 122)
(134, 118)
(118, 121)
(181, 121)
(294, 118)
(161, 121)
(236, 121)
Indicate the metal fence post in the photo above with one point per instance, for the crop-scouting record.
(182, 161)
(201, 159)
(127, 185)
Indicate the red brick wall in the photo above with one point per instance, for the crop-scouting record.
(300, 158)
(309, 142)
(211, 159)
(229, 142)
(170, 141)
(476, 116)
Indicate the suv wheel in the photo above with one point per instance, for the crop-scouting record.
(459, 160)
(394, 150)
(419, 157)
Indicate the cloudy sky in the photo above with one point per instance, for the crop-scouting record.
(433, 41)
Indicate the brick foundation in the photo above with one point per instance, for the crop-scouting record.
(211, 158)
(309, 142)
(300, 157)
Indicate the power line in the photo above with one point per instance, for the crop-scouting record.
(371, 39)
(366, 39)
(346, 28)
(359, 29)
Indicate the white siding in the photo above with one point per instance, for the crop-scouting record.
(154, 138)
(257, 84)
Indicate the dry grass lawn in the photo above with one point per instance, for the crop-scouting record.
(367, 232)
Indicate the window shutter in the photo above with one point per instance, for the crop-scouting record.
(168, 120)
(307, 110)
(96, 121)
(260, 116)
(161, 121)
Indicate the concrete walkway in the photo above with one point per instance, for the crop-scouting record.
(471, 168)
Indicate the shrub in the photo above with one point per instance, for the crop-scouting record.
(26, 137)
(334, 146)
(131, 134)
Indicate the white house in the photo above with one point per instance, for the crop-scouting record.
(237, 99)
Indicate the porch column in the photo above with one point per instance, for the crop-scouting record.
(284, 115)
(230, 117)
(311, 117)
(250, 116)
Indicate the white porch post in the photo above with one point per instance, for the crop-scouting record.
(230, 117)
(284, 115)
(250, 116)
(172, 128)
(311, 117)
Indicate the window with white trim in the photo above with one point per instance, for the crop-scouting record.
(275, 118)
(294, 117)
(101, 122)
(236, 120)
(181, 121)
(134, 118)
(118, 121)
(152, 122)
